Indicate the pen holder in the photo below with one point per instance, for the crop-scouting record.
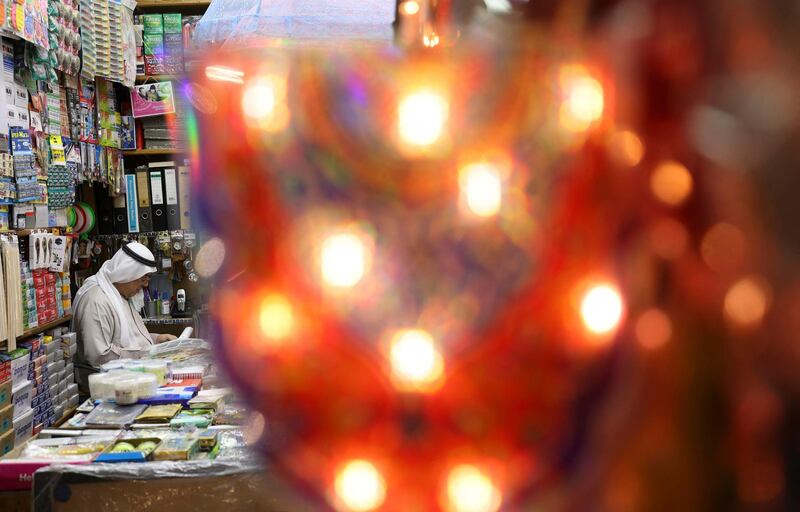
(151, 309)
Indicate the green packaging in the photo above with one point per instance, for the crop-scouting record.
(153, 44)
(172, 23)
(153, 23)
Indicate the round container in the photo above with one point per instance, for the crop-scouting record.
(125, 390)
(146, 385)
(157, 368)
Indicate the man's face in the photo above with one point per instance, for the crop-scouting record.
(131, 288)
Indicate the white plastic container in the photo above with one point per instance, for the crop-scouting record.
(126, 390)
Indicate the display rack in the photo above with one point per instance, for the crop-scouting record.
(154, 152)
(199, 4)
(40, 329)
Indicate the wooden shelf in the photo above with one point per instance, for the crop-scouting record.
(157, 78)
(36, 330)
(153, 152)
(155, 4)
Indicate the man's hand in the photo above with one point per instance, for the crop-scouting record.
(165, 337)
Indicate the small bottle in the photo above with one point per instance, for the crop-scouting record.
(165, 304)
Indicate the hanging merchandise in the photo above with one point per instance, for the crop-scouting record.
(3, 312)
(16, 324)
(65, 39)
(28, 19)
(108, 40)
(108, 116)
(153, 99)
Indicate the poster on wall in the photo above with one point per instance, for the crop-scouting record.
(153, 99)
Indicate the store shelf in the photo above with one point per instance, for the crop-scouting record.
(36, 330)
(153, 152)
(195, 4)
(157, 78)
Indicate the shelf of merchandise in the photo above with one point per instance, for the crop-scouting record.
(36, 330)
(169, 321)
(146, 152)
(157, 78)
(173, 4)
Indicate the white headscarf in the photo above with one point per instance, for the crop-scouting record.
(122, 268)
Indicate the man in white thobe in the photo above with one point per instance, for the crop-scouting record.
(106, 311)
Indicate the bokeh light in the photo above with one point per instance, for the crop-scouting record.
(470, 490)
(481, 189)
(359, 487)
(263, 103)
(210, 257)
(668, 238)
(416, 363)
(723, 247)
(583, 100)
(275, 317)
(344, 260)
(746, 302)
(653, 328)
(258, 100)
(626, 148)
(224, 74)
(671, 183)
(421, 117)
(430, 39)
(602, 308)
(409, 7)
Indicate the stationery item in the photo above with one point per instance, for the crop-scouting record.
(158, 205)
(111, 415)
(131, 202)
(185, 193)
(105, 212)
(209, 399)
(128, 132)
(200, 418)
(171, 198)
(120, 209)
(159, 413)
(181, 448)
(143, 194)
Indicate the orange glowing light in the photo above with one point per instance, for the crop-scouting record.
(422, 116)
(602, 308)
(668, 238)
(626, 148)
(470, 490)
(723, 247)
(275, 317)
(671, 183)
(430, 39)
(359, 487)
(481, 188)
(415, 361)
(583, 100)
(747, 301)
(653, 328)
(409, 7)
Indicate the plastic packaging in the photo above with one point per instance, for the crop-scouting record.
(126, 390)
(158, 368)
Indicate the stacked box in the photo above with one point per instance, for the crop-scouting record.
(153, 44)
(44, 283)
(173, 43)
(67, 388)
(30, 315)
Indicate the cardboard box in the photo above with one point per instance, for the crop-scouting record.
(22, 396)
(19, 365)
(7, 419)
(6, 390)
(172, 23)
(6, 442)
